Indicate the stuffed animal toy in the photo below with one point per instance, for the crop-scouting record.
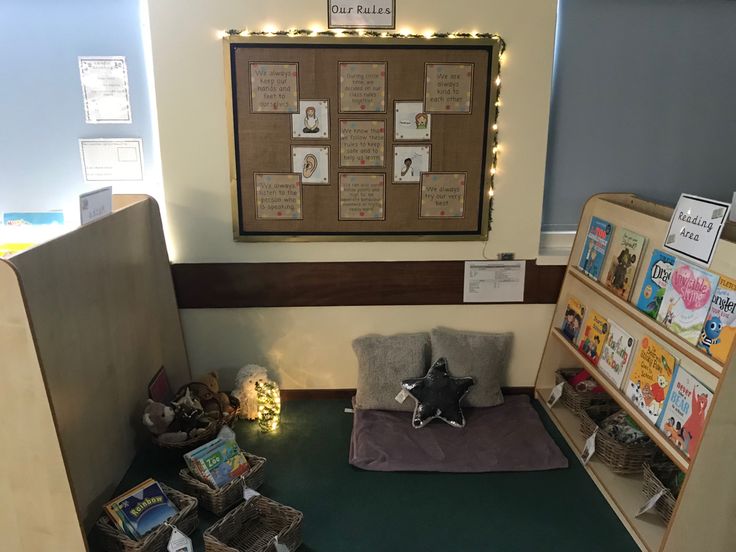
(199, 395)
(158, 418)
(213, 384)
(245, 389)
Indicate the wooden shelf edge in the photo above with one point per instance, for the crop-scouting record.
(673, 340)
(642, 421)
(610, 498)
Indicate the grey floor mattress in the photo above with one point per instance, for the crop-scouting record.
(508, 437)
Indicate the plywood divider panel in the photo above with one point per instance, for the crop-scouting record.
(102, 308)
(37, 510)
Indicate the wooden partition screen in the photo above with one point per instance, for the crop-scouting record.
(361, 138)
(87, 320)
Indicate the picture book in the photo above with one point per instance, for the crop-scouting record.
(595, 247)
(650, 377)
(624, 261)
(719, 331)
(687, 299)
(655, 282)
(141, 509)
(217, 462)
(593, 336)
(573, 319)
(683, 418)
(616, 354)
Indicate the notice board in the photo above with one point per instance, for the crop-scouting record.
(337, 138)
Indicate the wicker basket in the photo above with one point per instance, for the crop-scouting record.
(576, 400)
(209, 433)
(218, 501)
(112, 539)
(252, 526)
(620, 457)
(652, 485)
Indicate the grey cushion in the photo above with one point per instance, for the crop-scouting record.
(383, 362)
(483, 356)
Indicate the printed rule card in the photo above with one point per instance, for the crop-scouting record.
(105, 160)
(494, 281)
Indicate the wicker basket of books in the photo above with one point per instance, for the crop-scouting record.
(255, 526)
(662, 476)
(112, 538)
(619, 443)
(218, 500)
(209, 433)
(578, 399)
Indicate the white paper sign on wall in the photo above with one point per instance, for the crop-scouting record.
(695, 227)
(361, 14)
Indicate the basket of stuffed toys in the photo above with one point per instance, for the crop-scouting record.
(619, 442)
(580, 390)
(196, 414)
(663, 476)
(218, 472)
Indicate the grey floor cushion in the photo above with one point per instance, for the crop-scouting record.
(482, 356)
(509, 437)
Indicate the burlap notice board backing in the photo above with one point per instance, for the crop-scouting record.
(337, 138)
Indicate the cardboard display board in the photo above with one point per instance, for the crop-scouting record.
(361, 138)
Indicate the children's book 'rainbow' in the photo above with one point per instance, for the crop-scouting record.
(687, 300)
(655, 282)
(141, 509)
(595, 247)
(650, 377)
(719, 331)
(684, 413)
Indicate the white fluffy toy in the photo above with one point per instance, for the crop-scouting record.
(245, 389)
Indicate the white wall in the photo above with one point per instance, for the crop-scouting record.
(313, 345)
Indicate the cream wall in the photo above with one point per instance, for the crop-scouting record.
(311, 347)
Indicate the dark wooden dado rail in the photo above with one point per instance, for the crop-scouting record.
(314, 284)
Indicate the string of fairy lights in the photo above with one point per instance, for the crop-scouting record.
(361, 33)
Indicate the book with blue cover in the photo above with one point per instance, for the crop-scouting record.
(217, 462)
(655, 283)
(141, 509)
(595, 247)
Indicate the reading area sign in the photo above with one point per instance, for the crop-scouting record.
(361, 14)
(695, 227)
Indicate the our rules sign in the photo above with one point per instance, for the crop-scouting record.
(361, 14)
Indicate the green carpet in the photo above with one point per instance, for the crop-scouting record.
(350, 510)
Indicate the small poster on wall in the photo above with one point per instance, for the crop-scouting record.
(312, 121)
(105, 89)
(442, 195)
(362, 87)
(274, 87)
(411, 122)
(448, 87)
(112, 159)
(313, 162)
(362, 196)
(362, 143)
(278, 196)
(359, 14)
(410, 162)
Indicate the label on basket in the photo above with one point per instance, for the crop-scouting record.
(555, 395)
(226, 434)
(249, 493)
(589, 449)
(279, 546)
(179, 542)
(401, 397)
(651, 502)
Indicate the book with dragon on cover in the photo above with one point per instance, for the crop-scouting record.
(650, 377)
(595, 247)
(719, 331)
(623, 262)
(683, 418)
(655, 283)
(686, 302)
(616, 354)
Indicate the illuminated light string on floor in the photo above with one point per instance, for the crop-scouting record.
(406, 33)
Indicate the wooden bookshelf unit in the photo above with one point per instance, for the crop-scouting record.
(702, 519)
